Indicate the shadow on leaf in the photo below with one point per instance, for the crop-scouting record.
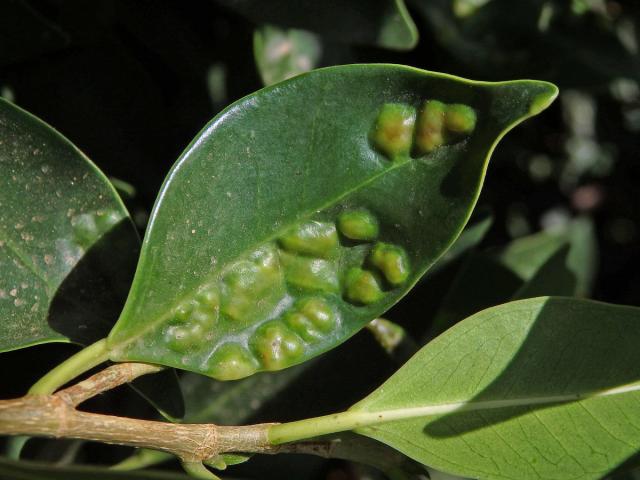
(88, 302)
(561, 355)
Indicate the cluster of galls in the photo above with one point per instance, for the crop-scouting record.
(400, 132)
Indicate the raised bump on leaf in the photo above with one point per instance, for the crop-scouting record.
(276, 346)
(460, 118)
(183, 337)
(311, 318)
(183, 311)
(314, 238)
(205, 316)
(231, 362)
(362, 286)
(302, 325)
(358, 225)
(392, 261)
(393, 130)
(319, 312)
(430, 126)
(310, 273)
(439, 124)
(306, 169)
(209, 296)
(248, 280)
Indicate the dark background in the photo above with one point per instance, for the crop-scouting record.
(129, 82)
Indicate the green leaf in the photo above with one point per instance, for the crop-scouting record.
(529, 389)
(560, 263)
(471, 236)
(355, 448)
(525, 256)
(60, 222)
(68, 248)
(385, 23)
(43, 471)
(295, 218)
(282, 54)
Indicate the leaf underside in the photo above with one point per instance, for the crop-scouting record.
(537, 388)
(294, 218)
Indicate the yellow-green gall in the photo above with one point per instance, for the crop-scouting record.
(362, 286)
(183, 311)
(310, 273)
(303, 326)
(247, 281)
(205, 316)
(232, 362)
(311, 318)
(392, 261)
(208, 296)
(316, 239)
(460, 118)
(184, 337)
(358, 225)
(393, 131)
(276, 346)
(319, 312)
(430, 126)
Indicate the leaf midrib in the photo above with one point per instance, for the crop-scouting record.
(395, 165)
(373, 416)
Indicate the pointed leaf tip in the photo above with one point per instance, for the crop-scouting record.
(544, 98)
(517, 100)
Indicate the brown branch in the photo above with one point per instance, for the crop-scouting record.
(105, 380)
(56, 416)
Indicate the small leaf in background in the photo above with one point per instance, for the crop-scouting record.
(276, 171)
(385, 23)
(537, 388)
(282, 54)
(560, 262)
(525, 256)
(474, 232)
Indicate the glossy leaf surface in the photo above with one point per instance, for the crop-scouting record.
(281, 54)
(385, 23)
(68, 248)
(295, 218)
(527, 390)
(60, 223)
